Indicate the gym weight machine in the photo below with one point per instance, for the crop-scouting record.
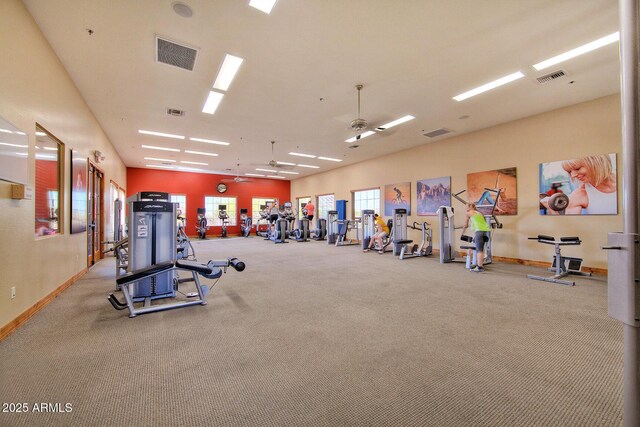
(152, 271)
(561, 266)
(401, 243)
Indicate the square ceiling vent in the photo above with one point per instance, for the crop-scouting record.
(175, 54)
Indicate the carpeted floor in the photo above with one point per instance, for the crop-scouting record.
(314, 335)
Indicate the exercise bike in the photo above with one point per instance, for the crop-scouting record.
(224, 218)
(245, 223)
(202, 226)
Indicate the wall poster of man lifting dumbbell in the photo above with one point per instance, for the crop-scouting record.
(497, 188)
(582, 186)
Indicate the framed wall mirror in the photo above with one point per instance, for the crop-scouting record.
(49, 161)
(14, 153)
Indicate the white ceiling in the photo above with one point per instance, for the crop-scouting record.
(302, 62)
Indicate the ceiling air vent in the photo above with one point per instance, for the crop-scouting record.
(175, 54)
(437, 132)
(551, 76)
(175, 112)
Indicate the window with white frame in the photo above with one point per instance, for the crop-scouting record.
(326, 203)
(302, 201)
(366, 199)
(181, 200)
(256, 203)
(212, 204)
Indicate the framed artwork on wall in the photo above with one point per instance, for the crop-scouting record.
(78, 193)
(582, 186)
(432, 193)
(397, 196)
(482, 189)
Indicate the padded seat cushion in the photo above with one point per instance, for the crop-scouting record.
(194, 266)
(144, 272)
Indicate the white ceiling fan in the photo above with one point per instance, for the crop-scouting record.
(277, 164)
(238, 178)
(359, 125)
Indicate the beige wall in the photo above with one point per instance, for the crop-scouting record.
(36, 88)
(589, 128)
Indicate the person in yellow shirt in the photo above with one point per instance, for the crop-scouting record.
(382, 231)
(481, 236)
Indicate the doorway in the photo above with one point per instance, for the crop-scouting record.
(95, 213)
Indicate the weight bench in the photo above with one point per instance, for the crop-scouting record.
(126, 282)
(561, 266)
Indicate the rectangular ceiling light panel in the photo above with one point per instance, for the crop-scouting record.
(213, 100)
(228, 71)
(311, 156)
(263, 5)
(329, 159)
(359, 137)
(153, 147)
(200, 153)
(175, 54)
(209, 141)
(488, 86)
(611, 38)
(164, 135)
(395, 122)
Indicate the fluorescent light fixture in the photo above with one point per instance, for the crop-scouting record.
(488, 86)
(194, 163)
(253, 174)
(276, 176)
(311, 156)
(286, 163)
(45, 156)
(5, 131)
(395, 122)
(329, 158)
(20, 133)
(184, 168)
(153, 147)
(359, 137)
(266, 170)
(155, 159)
(164, 135)
(14, 145)
(228, 71)
(160, 166)
(290, 173)
(209, 141)
(22, 154)
(263, 5)
(200, 153)
(213, 100)
(611, 38)
(50, 148)
(309, 166)
(41, 134)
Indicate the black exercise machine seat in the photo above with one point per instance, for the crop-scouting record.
(144, 272)
(550, 240)
(194, 266)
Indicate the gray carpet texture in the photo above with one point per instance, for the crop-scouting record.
(316, 335)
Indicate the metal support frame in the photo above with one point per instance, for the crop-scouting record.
(624, 254)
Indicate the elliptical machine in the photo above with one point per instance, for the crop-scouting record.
(263, 228)
(202, 226)
(224, 217)
(245, 223)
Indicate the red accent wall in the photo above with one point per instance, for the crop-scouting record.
(198, 185)
(46, 179)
